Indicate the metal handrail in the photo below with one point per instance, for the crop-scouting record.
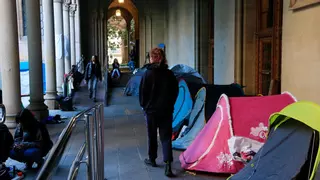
(94, 130)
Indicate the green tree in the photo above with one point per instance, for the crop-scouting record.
(115, 31)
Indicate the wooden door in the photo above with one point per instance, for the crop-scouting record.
(268, 46)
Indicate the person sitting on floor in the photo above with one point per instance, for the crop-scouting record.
(6, 142)
(115, 69)
(31, 140)
(131, 65)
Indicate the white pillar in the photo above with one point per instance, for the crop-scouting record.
(66, 33)
(9, 58)
(58, 28)
(37, 105)
(49, 44)
(224, 41)
(78, 33)
(72, 10)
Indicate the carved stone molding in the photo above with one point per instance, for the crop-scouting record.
(72, 9)
(66, 7)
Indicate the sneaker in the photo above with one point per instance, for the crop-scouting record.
(150, 162)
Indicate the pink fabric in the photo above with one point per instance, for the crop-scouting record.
(209, 152)
(247, 120)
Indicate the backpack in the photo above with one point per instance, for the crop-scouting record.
(6, 142)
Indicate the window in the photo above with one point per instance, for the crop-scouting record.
(24, 18)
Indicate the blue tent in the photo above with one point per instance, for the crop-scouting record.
(195, 124)
(182, 107)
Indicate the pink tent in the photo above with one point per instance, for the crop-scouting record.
(238, 125)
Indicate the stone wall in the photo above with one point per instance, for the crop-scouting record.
(301, 52)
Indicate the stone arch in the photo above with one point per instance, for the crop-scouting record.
(124, 13)
(129, 6)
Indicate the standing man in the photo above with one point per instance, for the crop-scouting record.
(157, 95)
(92, 75)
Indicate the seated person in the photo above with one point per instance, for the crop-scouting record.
(6, 142)
(31, 140)
(115, 69)
(131, 65)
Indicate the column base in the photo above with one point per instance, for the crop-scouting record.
(40, 110)
(60, 91)
(52, 104)
(50, 101)
(11, 121)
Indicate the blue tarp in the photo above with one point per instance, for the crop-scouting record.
(182, 107)
(195, 124)
(24, 67)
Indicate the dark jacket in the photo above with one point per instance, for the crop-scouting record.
(158, 90)
(97, 71)
(37, 138)
(115, 65)
(6, 142)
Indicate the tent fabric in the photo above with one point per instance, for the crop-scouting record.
(282, 156)
(292, 149)
(132, 87)
(234, 117)
(180, 71)
(187, 73)
(182, 107)
(195, 124)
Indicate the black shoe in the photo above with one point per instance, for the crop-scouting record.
(40, 163)
(150, 162)
(90, 96)
(94, 100)
(29, 165)
(168, 171)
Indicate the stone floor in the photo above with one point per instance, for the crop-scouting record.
(125, 143)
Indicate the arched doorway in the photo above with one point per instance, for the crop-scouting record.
(123, 25)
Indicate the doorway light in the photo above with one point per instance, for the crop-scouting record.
(118, 12)
(121, 1)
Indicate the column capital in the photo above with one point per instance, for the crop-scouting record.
(102, 14)
(94, 14)
(72, 9)
(66, 5)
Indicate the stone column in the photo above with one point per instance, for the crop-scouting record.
(37, 105)
(9, 58)
(51, 91)
(58, 28)
(73, 8)
(66, 33)
(101, 36)
(95, 32)
(105, 24)
(78, 34)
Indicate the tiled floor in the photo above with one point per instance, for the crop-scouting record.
(125, 143)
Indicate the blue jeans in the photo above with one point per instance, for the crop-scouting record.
(29, 155)
(92, 86)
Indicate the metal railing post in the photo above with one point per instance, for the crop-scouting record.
(98, 143)
(93, 145)
(90, 168)
(101, 128)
